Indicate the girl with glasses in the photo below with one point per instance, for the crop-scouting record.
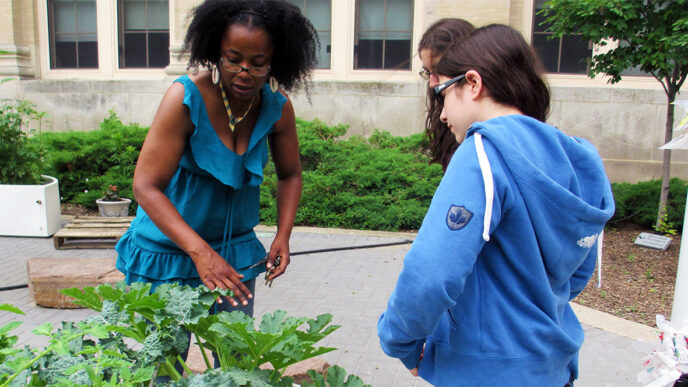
(431, 47)
(198, 175)
(510, 236)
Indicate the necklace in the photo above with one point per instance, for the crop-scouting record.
(234, 121)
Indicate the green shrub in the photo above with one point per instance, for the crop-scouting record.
(380, 183)
(87, 163)
(21, 160)
(638, 203)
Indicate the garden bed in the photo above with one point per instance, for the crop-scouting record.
(637, 282)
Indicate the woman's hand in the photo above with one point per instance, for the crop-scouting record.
(279, 248)
(215, 272)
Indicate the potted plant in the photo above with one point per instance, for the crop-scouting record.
(29, 201)
(111, 204)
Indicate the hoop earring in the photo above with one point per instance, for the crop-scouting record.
(215, 74)
(274, 85)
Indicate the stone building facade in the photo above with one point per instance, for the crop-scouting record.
(77, 60)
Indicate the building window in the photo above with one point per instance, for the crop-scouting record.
(143, 33)
(319, 12)
(72, 34)
(383, 34)
(568, 54)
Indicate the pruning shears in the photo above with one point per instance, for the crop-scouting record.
(270, 271)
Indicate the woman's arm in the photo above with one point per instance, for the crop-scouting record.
(284, 146)
(157, 163)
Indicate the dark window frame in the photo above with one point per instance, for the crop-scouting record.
(541, 30)
(384, 40)
(147, 31)
(52, 33)
(328, 48)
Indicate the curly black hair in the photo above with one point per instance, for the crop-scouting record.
(294, 38)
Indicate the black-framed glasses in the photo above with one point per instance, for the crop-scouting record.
(425, 74)
(258, 71)
(444, 85)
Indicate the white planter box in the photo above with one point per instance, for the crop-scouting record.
(30, 210)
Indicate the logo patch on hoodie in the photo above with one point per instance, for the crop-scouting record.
(458, 217)
(587, 241)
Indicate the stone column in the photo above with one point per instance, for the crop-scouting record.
(17, 37)
(180, 17)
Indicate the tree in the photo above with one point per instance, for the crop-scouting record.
(651, 35)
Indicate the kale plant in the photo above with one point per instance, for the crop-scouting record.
(138, 336)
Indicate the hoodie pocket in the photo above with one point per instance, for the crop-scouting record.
(456, 318)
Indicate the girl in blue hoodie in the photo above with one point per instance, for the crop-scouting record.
(510, 236)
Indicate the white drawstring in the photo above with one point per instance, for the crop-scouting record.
(488, 182)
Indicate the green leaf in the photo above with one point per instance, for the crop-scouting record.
(100, 331)
(125, 372)
(86, 297)
(272, 323)
(9, 326)
(336, 378)
(142, 375)
(44, 329)
(10, 308)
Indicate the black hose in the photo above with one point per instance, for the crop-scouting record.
(404, 242)
(12, 287)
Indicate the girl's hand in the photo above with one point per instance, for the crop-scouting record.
(414, 371)
(215, 272)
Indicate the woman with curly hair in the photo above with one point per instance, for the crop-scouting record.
(431, 47)
(198, 175)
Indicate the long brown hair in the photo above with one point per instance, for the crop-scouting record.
(510, 69)
(437, 38)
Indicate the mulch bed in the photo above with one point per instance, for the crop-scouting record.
(637, 282)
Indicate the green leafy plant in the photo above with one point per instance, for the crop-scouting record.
(336, 377)
(86, 162)
(649, 276)
(382, 182)
(21, 160)
(665, 226)
(98, 351)
(345, 180)
(637, 202)
(111, 194)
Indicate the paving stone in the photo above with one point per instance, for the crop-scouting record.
(313, 285)
(47, 276)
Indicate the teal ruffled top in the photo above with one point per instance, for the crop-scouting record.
(216, 191)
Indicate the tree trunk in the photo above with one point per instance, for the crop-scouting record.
(666, 165)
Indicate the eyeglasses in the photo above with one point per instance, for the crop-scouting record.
(258, 71)
(443, 86)
(425, 74)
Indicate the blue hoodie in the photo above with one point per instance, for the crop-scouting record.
(509, 239)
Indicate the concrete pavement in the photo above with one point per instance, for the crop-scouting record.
(353, 286)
